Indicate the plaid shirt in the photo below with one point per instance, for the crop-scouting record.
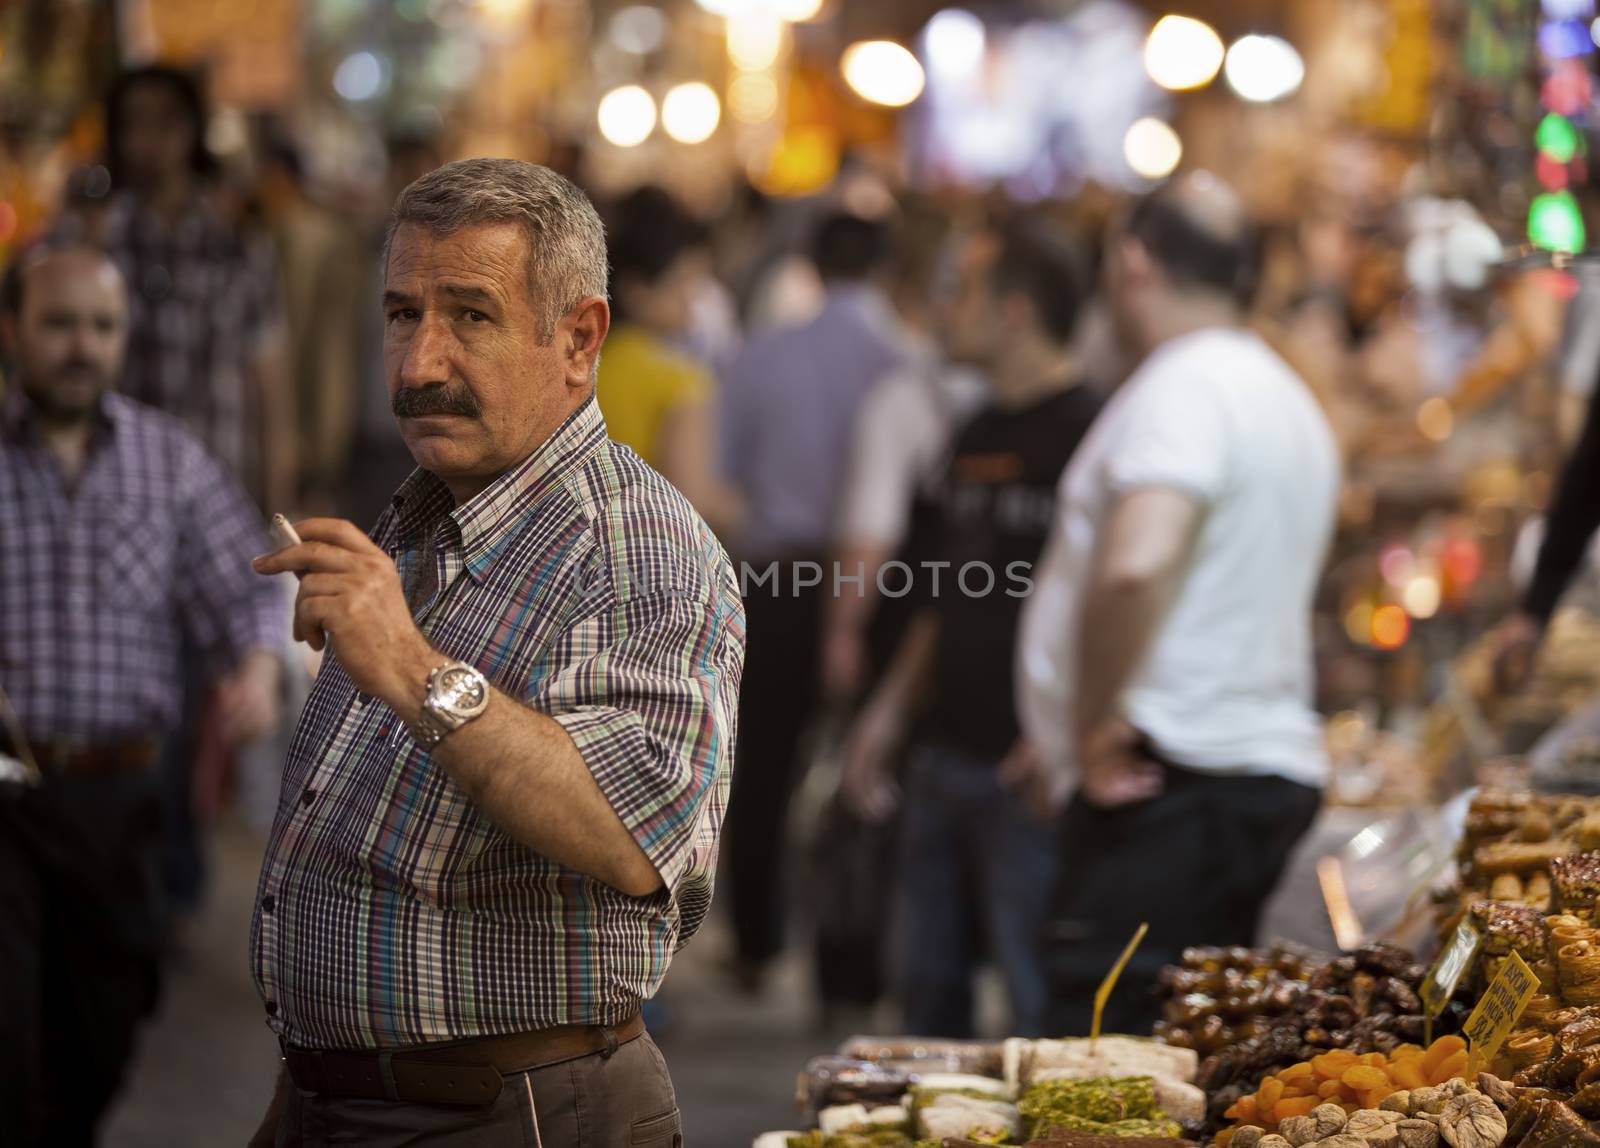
(391, 911)
(99, 584)
(202, 301)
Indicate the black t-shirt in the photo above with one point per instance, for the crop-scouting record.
(995, 504)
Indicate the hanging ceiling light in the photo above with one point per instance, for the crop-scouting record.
(627, 116)
(1152, 148)
(690, 113)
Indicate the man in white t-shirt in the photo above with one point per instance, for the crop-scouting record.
(1165, 664)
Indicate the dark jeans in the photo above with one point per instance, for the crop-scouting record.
(1198, 863)
(626, 1101)
(777, 699)
(974, 865)
(80, 932)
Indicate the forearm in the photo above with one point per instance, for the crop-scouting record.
(522, 770)
(907, 676)
(1120, 620)
(1572, 522)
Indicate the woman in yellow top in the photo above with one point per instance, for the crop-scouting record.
(655, 398)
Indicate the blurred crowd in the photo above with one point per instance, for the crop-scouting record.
(863, 383)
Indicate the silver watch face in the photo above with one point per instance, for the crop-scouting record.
(461, 690)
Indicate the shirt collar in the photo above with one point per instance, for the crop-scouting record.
(19, 417)
(490, 517)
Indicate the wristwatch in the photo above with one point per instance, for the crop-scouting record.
(457, 693)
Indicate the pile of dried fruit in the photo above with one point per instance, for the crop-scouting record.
(1351, 1082)
(1456, 1113)
(1217, 997)
(1363, 1002)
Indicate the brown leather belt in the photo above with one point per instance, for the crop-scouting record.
(461, 1072)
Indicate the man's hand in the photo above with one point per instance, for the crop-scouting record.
(249, 699)
(1111, 773)
(1022, 771)
(350, 600)
(1516, 646)
(869, 791)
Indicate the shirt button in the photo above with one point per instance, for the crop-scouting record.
(268, 903)
(308, 796)
(272, 1008)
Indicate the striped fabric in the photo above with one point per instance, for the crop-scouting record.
(101, 583)
(390, 910)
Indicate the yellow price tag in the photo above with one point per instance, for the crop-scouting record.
(1440, 983)
(1103, 993)
(1501, 1007)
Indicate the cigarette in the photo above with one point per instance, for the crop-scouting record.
(283, 534)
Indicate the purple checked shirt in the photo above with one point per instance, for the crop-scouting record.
(100, 584)
(391, 911)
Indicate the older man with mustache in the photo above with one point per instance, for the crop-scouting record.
(500, 812)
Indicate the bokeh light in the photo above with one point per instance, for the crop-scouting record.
(1555, 223)
(1182, 53)
(1435, 420)
(1422, 596)
(1557, 138)
(690, 113)
(360, 76)
(797, 11)
(1262, 69)
(882, 72)
(1390, 627)
(753, 98)
(953, 43)
(1152, 149)
(627, 116)
(639, 29)
(755, 39)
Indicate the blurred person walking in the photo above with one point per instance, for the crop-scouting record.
(206, 340)
(205, 345)
(789, 403)
(655, 398)
(506, 789)
(124, 539)
(1166, 658)
(978, 842)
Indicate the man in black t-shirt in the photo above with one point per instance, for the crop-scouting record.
(978, 848)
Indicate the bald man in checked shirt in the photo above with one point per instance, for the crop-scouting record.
(501, 808)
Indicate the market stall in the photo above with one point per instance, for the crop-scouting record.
(1495, 1044)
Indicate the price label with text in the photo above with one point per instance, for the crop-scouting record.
(1501, 1007)
(1454, 961)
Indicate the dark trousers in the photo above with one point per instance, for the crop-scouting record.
(1198, 863)
(593, 1102)
(777, 699)
(79, 946)
(975, 868)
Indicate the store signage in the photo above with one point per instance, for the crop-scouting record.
(1501, 1007)
(1103, 993)
(1440, 983)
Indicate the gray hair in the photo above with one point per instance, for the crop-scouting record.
(567, 260)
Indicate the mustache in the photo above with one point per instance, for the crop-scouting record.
(82, 367)
(435, 399)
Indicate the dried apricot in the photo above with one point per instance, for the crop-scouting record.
(1440, 1051)
(1332, 1064)
(1301, 1071)
(1409, 1074)
(1363, 1077)
(1297, 1106)
(1331, 1090)
(1453, 1065)
(1271, 1090)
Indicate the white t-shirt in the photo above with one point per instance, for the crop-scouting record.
(899, 438)
(1227, 683)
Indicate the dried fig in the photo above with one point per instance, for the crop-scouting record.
(1425, 1100)
(1273, 1140)
(1370, 1120)
(1247, 1137)
(1496, 1089)
(1343, 1140)
(1331, 1120)
(1298, 1130)
(1418, 1134)
(1384, 1136)
(1396, 1102)
(1473, 1121)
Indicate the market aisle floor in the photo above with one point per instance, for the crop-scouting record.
(205, 1067)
